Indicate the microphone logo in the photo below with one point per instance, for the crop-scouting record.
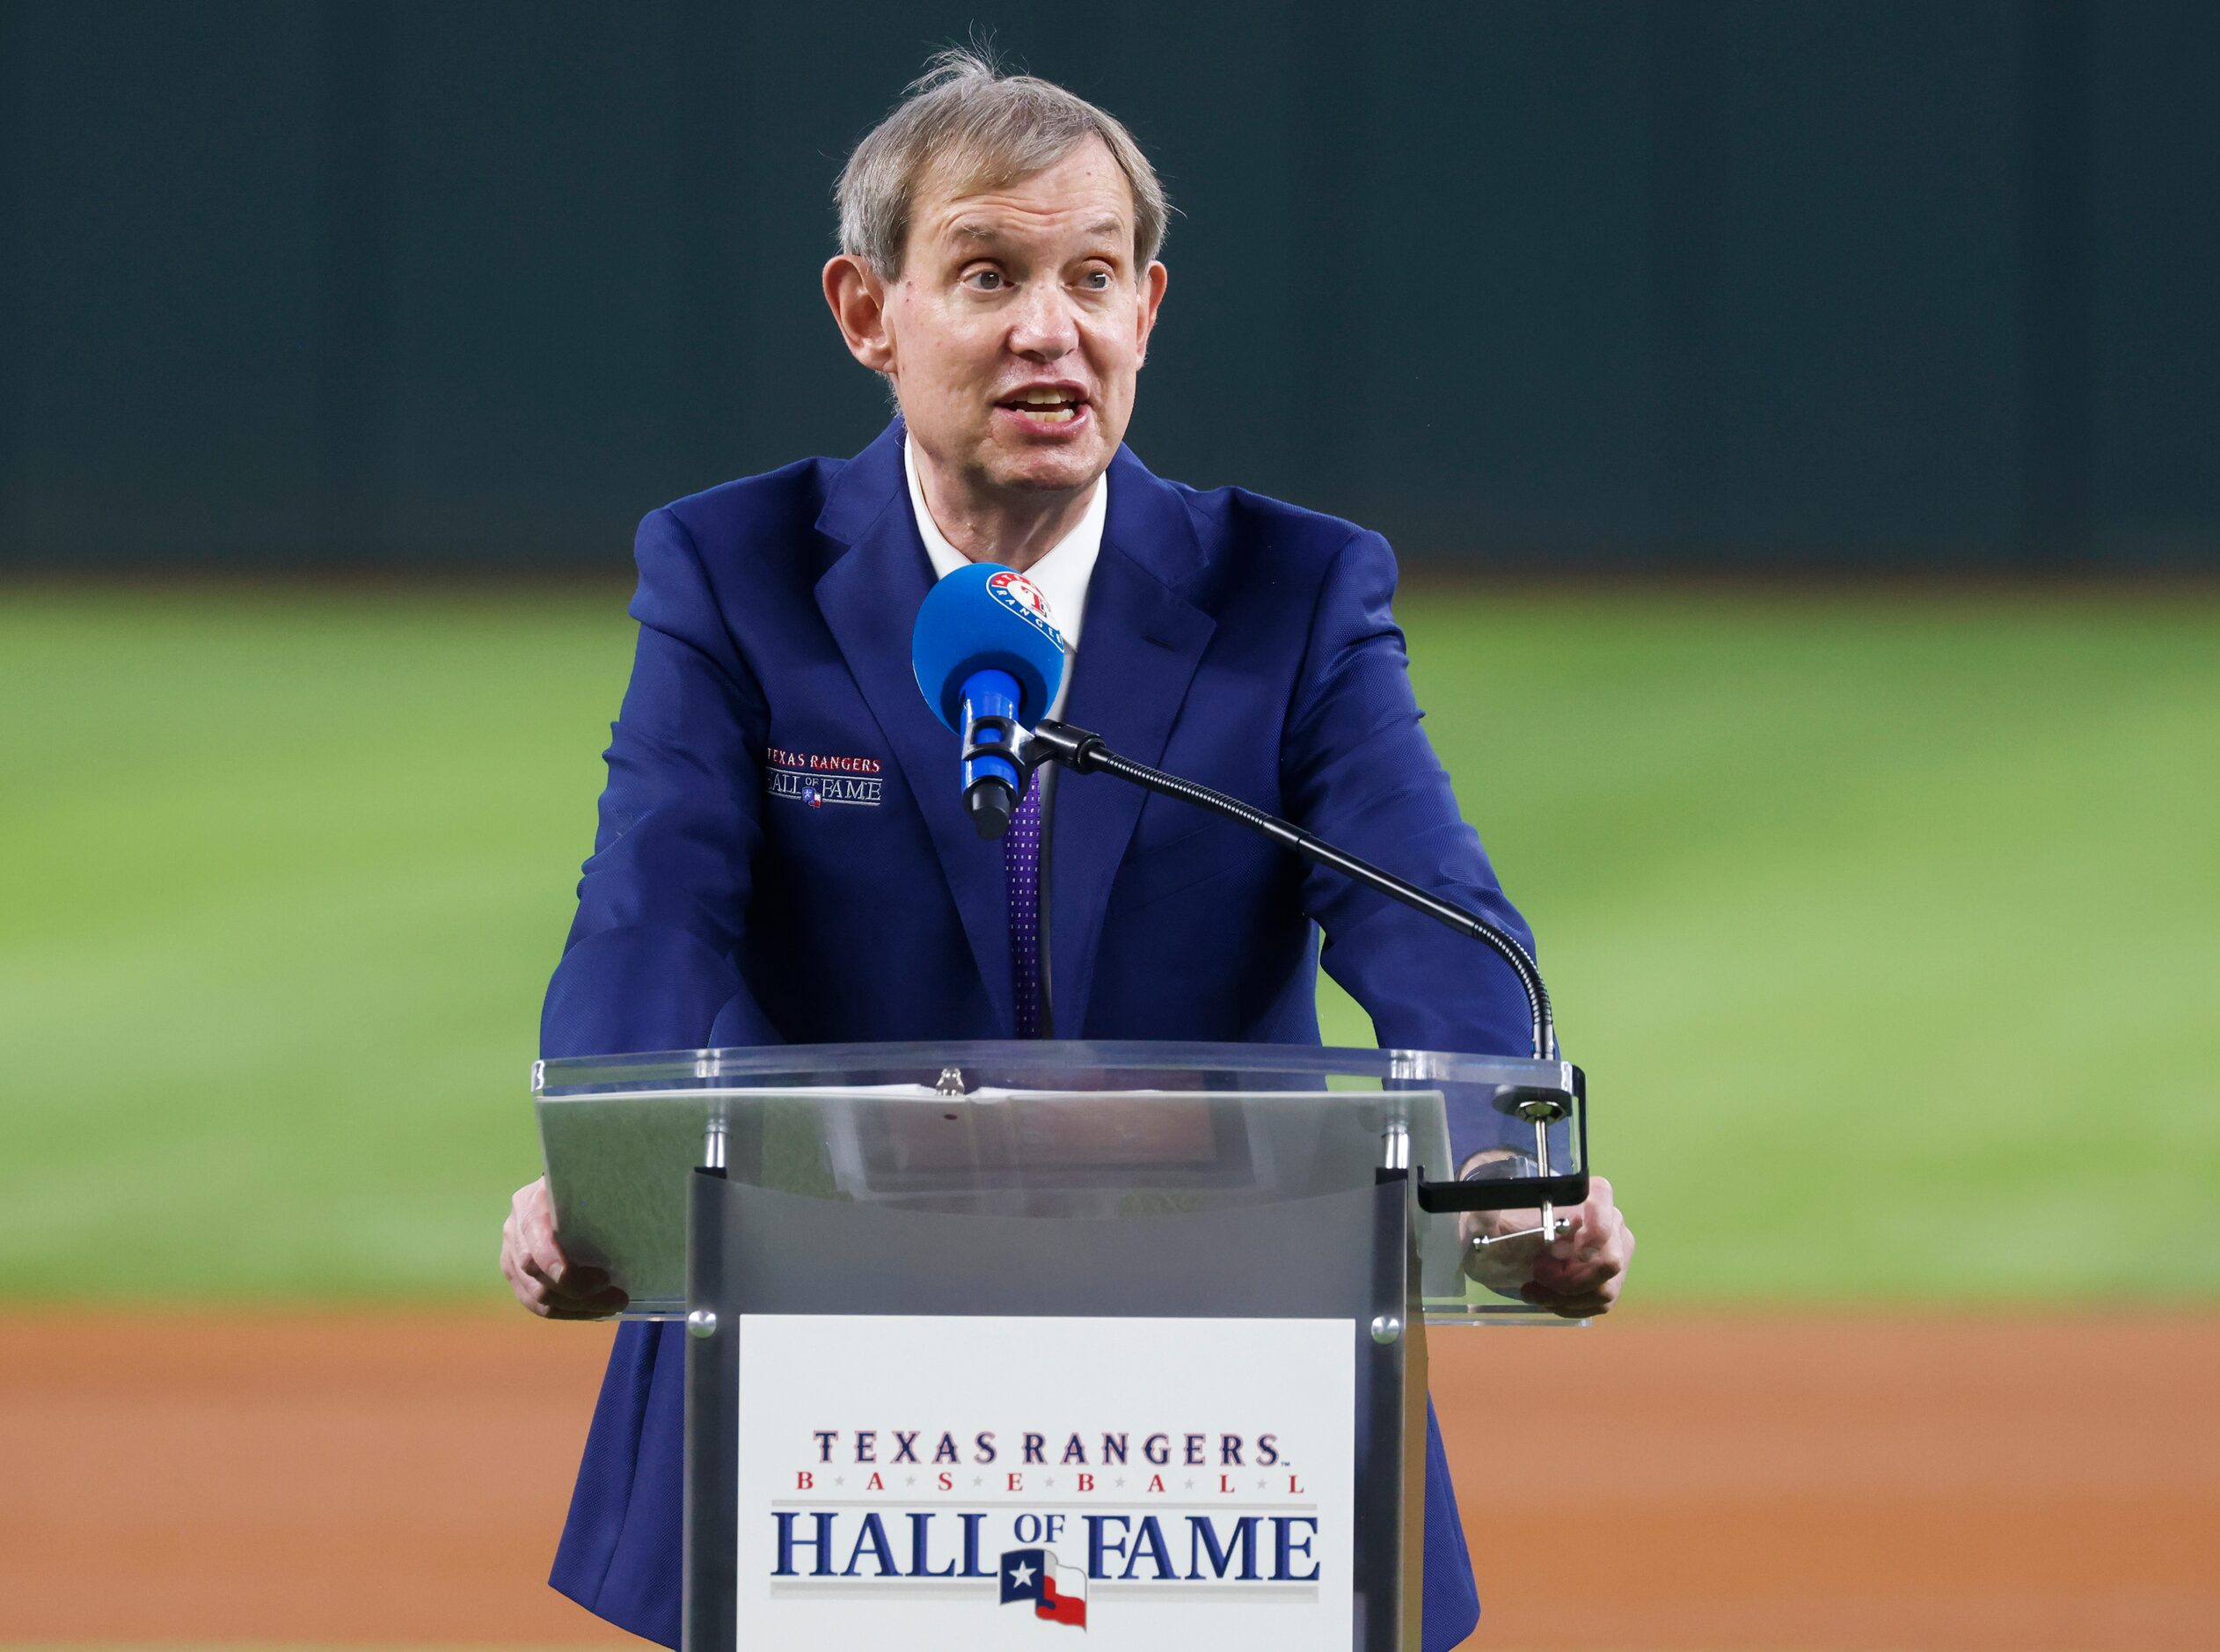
(1022, 597)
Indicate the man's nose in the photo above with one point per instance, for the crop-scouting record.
(1045, 327)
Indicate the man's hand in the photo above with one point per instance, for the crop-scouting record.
(1577, 1277)
(546, 1280)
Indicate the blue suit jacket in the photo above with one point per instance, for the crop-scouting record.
(1229, 637)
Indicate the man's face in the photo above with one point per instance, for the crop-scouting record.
(1018, 325)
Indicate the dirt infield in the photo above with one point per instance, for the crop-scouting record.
(1657, 1482)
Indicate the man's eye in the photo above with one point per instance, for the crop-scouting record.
(1096, 281)
(985, 281)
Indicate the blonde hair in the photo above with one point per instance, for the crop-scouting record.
(984, 130)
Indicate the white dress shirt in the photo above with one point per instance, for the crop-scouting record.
(1062, 575)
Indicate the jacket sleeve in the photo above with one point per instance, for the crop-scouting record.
(1357, 770)
(652, 960)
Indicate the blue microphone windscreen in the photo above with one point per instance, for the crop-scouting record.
(979, 618)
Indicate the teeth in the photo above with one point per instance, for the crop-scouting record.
(1058, 416)
(1045, 397)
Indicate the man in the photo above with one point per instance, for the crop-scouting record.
(998, 266)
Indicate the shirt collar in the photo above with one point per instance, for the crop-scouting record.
(1062, 574)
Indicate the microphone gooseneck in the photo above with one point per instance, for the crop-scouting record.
(1085, 753)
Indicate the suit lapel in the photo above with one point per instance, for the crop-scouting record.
(1142, 643)
(869, 598)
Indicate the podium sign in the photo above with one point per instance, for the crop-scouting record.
(983, 1482)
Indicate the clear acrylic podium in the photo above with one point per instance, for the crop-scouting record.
(991, 1183)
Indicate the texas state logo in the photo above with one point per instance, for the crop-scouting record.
(1058, 1593)
(1022, 597)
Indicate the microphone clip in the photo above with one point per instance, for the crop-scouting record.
(990, 799)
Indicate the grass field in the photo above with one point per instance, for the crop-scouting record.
(1888, 927)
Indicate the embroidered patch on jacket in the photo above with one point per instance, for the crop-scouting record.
(817, 777)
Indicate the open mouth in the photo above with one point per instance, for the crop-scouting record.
(1050, 405)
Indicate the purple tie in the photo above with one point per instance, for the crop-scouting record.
(1021, 876)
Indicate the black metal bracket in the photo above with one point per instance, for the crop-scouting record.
(1520, 1193)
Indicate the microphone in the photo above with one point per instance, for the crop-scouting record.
(989, 660)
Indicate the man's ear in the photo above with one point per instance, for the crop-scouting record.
(859, 302)
(1152, 285)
